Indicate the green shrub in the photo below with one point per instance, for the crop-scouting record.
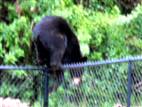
(15, 41)
(102, 32)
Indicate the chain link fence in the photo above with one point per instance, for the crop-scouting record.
(17, 83)
(111, 83)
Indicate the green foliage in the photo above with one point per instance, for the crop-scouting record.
(102, 5)
(15, 40)
(134, 32)
(105, 33)
(102, 32)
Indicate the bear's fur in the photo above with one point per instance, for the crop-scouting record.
(56, 44)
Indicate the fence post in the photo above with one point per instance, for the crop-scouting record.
(46, 81)
(129, 90)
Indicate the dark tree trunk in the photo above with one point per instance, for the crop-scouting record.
(4, 10)
(85, 3)
(126, 6)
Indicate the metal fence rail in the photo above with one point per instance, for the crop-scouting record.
(104, 84)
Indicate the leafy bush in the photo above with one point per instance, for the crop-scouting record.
(102, 31)
(15, 41)
(101, 35)
(134, 32)
(105, 5)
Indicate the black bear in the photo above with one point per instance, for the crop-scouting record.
(56, 44)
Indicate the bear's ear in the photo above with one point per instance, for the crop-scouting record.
(83, 59)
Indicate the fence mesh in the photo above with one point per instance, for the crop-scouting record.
(25, 86)
(102, 85)
(136, 98)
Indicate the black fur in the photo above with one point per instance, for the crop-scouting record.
(56, 44)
